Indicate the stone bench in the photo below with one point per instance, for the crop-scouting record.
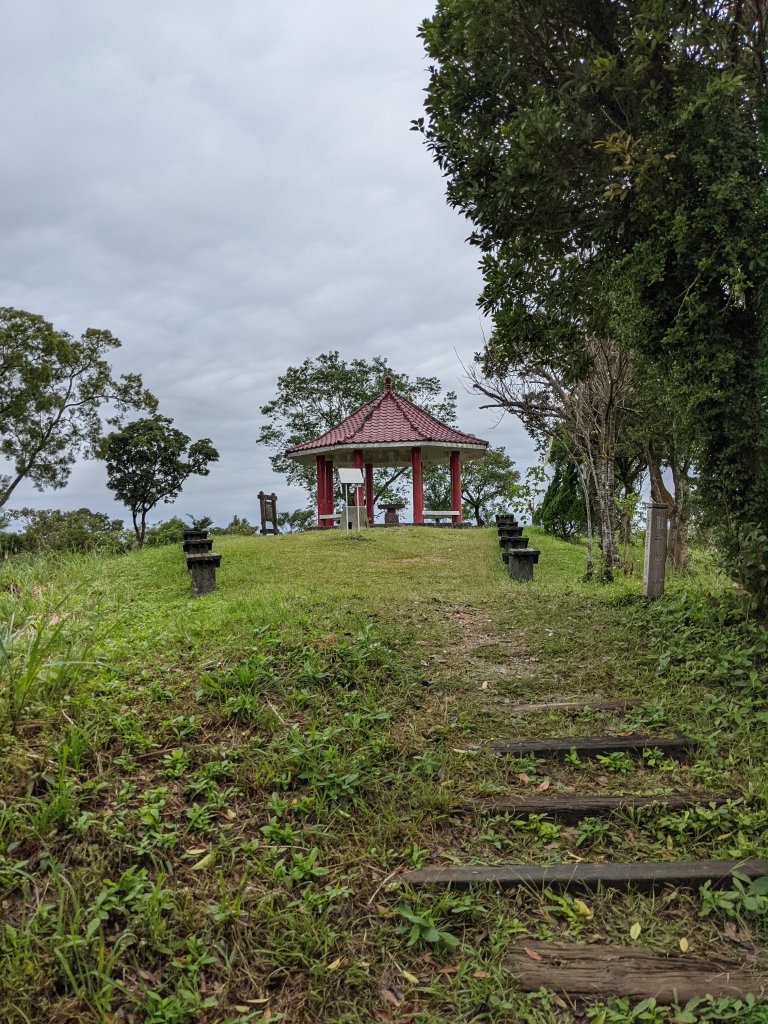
(438, 516)
(334, 518)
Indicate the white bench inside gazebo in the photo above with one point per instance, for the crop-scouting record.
(453, 514)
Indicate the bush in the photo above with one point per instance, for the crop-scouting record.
(170, 532)
(749, 566)
(76, 531)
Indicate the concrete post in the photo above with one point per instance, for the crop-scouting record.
(655, 550)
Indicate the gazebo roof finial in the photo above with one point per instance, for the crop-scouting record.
(388, 382)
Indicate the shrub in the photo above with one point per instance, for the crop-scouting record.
(77, 531)
(169, 532)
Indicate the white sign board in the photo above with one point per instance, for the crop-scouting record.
(350, 476)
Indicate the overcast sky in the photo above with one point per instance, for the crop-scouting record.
(230, 188)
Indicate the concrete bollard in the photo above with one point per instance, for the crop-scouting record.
(202, 568)
(193, 534)
(655, 550)
(520, 563)
(196, 546)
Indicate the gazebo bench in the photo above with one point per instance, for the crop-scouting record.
(440, 515)
(334, 517)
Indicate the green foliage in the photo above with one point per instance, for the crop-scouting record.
(77, 531)
(562, 512)
(527, 502)
(489, 484)
(316, 396)
(743, 898)
(421, 929)
(617, 190)
(148, 461)
(749, 564)
(200, 522)
(297, 521)
(52, 389)
(705, 1010)
(237, 527)
(171, 531)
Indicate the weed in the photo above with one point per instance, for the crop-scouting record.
(618, 762)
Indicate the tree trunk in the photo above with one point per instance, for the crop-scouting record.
(603, 479)
(583, 482)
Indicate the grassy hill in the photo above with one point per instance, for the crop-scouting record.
(205, 804)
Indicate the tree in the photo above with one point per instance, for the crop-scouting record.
(148, 461)
(603, 147)
(297, 521)
(489, 484)
(317, 395)
(585, 414)
(52, 390)
(79, 530)
(562, 512)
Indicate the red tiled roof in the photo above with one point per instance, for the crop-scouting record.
(389, 419)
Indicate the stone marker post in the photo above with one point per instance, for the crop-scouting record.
(655, 550)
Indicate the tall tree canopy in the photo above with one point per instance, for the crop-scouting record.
(317, 395)
(149, 461)
(610, 156)
(53, 388)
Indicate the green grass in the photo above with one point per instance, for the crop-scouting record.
(205, 804)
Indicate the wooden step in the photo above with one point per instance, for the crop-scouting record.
(574, 706)
(588, 876)
(588, 746)
(570, 807)
(602, 970)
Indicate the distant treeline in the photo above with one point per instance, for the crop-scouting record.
(39, 531)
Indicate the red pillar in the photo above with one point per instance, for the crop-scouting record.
(358, 457)
(369, 492)
(329, 488)
(456, 483)
(321, 483)
(418, 486)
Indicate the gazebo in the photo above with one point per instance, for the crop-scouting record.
(390, 431)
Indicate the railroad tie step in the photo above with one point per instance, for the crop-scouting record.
(571, 808)
(573, 706)
(589, 746)
(630, 972)
(645, 876)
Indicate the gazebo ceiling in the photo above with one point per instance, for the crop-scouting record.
(386, 430)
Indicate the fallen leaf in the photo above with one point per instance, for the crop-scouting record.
(558, 1001)
(448, 970)
(684, 945)
(334, 965)
(544, 786)
(584, 909)
(481, 974)
(231, 814)
(206, 862)
(241, 1009)
(392, 996)
(523, 777)
(532, 954)
(484, 686)
(410, 977)
(634, 931)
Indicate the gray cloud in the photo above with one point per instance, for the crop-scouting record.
(230, 188)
